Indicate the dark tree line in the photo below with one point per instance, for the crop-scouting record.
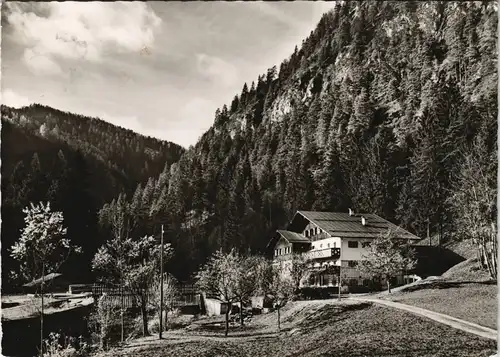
(135, 156)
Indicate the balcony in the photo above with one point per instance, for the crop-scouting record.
(283, 257)
(323, 253)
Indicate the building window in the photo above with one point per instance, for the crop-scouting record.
(365, 244)
(316, 230)
(335, 244)
(328, 245)
(353, 282)
(352, 244)
(352, 263)
(321, 245)
(307, 233)
(312, 232)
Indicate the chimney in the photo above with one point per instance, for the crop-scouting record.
(351, 212)
(363, 221)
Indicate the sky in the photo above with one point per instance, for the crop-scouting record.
(158, 68)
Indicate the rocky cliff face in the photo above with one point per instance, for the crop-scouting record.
(372, 112)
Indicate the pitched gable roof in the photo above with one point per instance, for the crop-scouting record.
(340, 224)
(293, 237)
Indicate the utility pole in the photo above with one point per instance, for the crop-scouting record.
(161, 284)
(428, 233)
(340, 279)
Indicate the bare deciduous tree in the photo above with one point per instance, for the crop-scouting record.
(249, 280)
(219, 278)
(474, 202)
(115, 217)
(140, 260)
(42, 248)
(298, 270)
(280, 287)
(387, 257)
(170, 296)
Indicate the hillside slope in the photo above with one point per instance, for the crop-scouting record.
(354, 330)
(77, 164)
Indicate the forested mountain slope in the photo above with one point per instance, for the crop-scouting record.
(387, 107)
(375, 111)
(77, 164)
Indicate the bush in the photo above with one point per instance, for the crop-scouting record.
(70, 347)
(105, 323)
(134, 328)
(154, 325)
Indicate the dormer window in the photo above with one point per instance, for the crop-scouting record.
(307, 233)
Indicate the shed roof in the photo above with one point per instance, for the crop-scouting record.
(46, 278)
(293, 237)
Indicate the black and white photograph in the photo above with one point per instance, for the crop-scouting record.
(249, 179)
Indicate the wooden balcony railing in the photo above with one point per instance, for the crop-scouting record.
(323, 253)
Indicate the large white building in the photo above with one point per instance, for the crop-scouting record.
(333, 242)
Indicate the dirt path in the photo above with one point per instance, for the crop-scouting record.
(442, 318)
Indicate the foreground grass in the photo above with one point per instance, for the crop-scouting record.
(465, 291)
(354, 330)
(473, 302)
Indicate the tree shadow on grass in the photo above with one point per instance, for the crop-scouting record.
(156, 343)
(446, 285)
(329, 314)
(260, 335)
(220, 327)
